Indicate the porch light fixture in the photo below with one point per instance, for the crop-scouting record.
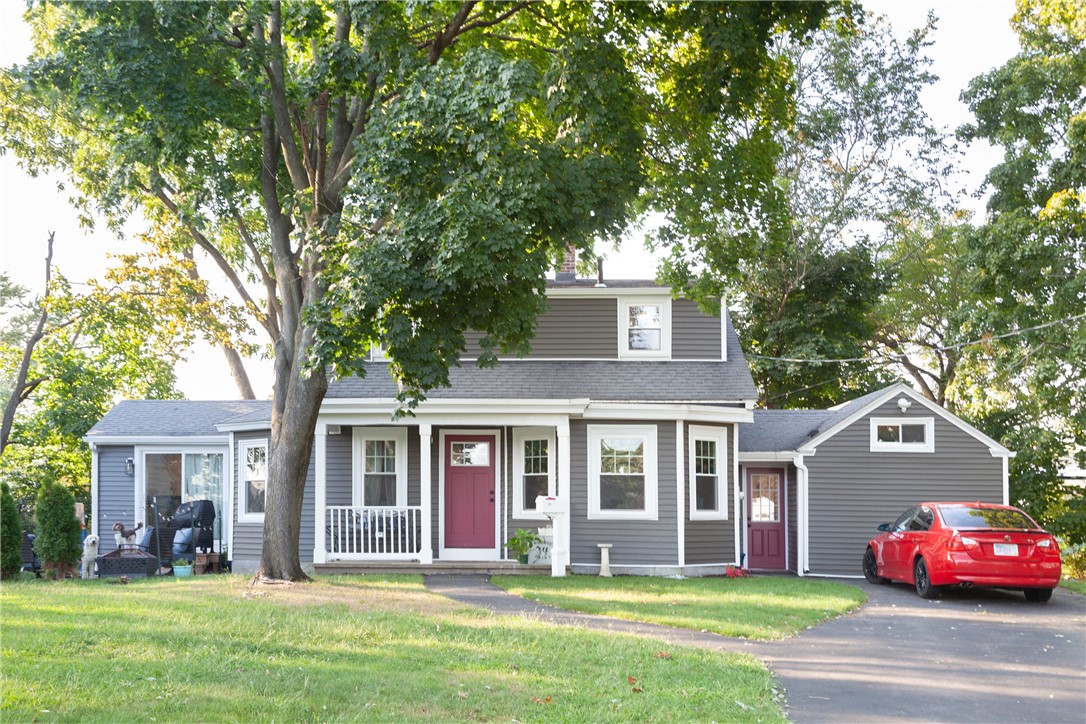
(130, 466)
(904, 404)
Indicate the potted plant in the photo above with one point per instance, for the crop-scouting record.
(182, 568)
(521, 542)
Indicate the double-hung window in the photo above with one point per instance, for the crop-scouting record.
(622, 467)
(380, 466)
(533, 469)
(903, 434)
(708, 473)
(253, 464)
(645, 327)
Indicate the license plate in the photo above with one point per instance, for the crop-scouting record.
(1006, 549)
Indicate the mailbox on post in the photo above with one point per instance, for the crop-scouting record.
(557, 509)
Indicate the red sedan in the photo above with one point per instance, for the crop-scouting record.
(933, 545)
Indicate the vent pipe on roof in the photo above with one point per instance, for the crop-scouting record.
(599, 272)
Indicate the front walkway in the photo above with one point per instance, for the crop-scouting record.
(980, 656)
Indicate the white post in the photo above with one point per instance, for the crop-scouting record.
(320, 453)
(426, 555)
(560, 552)
(605, 559)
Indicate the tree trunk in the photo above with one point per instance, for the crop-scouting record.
(237, 371)
(294, 419)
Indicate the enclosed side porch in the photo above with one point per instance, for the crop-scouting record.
(439, 489)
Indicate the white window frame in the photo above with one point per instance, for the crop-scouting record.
(928, 446)
(624, 351)
(596, 433)
(244, 515)
(362, 435)
(718, 435)
(520, 436)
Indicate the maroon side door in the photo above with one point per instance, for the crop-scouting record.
(765, 518)
(469, 491)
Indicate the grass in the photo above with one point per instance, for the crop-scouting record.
(1078, 586)
(759, 607)
(343, 648)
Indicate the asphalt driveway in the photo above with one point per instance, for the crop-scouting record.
(972, 656)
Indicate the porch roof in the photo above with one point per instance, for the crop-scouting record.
(781, 430)
(599, 381)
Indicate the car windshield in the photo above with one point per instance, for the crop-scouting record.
(960, 516)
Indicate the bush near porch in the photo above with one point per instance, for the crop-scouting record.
(211, 648)
(754, 607)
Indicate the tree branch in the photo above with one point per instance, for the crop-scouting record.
(278, 97)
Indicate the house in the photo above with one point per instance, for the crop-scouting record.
(631, 424)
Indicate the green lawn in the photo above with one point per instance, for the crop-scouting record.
(759, 607)
(358, 648)
(1078, 586)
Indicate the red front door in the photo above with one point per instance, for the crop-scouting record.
(469, 491)
(765, 518)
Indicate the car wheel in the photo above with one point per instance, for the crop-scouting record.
(1038, 595)
(871, 568)
(924, 588)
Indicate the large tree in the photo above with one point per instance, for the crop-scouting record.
(388, 173)
(1030, 258)
(857, 167)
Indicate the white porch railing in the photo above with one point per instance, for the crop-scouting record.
(372, 533)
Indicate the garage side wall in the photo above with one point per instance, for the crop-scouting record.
(852, 490)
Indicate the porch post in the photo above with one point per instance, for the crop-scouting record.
(560, 553)
(320, 452)
(426, 555)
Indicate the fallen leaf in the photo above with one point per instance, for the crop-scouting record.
(638, 690)
(662, 655)
(631, 679)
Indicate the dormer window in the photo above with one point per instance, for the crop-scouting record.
(645, 328)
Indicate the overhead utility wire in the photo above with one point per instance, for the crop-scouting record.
(982, 340)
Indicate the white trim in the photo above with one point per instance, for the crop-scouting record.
(473, 554)
(359, 437)
(244, 514)
(624, 304)
(802, 532)
(768, 457)
(560, 552)
(718, 436)
(94, 490)
(140, 452)
(903, 389)
(520, 436)
(426, 441)
(667, 411)
(723, 329)
(1006, 481)
(680, 489)
(928, 446)
(229, 488)
(320, 492)
(650, 473)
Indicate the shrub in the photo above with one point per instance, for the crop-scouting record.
(57, 543)
(1074, 562)
(11, 538)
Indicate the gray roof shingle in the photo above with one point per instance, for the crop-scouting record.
(172, 418)
(780, 430)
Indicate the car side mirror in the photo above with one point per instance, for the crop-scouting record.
(885, 527)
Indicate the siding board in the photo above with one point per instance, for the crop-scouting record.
(694, 334)
(852, 490)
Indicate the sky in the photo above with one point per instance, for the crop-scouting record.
(972, 37)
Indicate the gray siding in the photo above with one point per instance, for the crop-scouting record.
(694, 334)
(852, 490)
(337, 469)
(572, 329)
(116, 494)
(711, 541)
(636, 542)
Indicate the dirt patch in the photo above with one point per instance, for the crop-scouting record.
(371, 597)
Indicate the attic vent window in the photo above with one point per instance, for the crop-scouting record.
(912, 434)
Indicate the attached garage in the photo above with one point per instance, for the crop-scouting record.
(816, 483)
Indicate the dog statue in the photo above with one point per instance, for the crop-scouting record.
(125, 535)
(90, 554)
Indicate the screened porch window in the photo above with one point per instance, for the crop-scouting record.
(172, 478)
